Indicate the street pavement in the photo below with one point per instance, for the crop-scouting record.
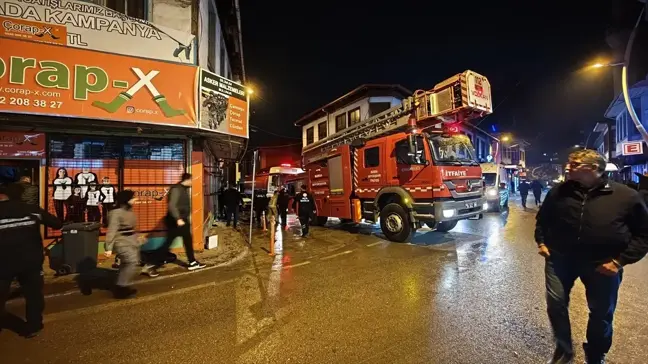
(344, 295)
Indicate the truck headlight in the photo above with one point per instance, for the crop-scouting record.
(491, 192)
(448, 213)
(485, 206)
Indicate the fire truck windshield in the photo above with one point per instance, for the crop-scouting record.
(452, 149)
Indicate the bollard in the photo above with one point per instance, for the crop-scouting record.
(272, 235)
(263, 219)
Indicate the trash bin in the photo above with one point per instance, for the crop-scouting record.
(80, 245)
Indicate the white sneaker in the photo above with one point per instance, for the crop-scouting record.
(150, 271)
(196, 265)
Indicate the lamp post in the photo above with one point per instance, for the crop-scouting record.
(624, 78)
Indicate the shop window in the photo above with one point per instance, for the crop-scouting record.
(372, 157)
(82, 173)
(85, 173)
(354, 116)
(151, 167)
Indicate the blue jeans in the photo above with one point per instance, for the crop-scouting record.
(601, 292)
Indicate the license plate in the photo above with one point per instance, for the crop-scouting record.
(471, 205)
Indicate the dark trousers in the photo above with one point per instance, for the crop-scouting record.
(283, 214)
(232, 211)
(537, 197)
(31, 284)
(174, 231)
(601, 292)
(524, 198)
(258, 215)
(94, 214)
(305, 224)
(59, 207)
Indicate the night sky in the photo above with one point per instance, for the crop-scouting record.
(300, 57)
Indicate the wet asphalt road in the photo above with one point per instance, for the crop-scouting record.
(474, 295)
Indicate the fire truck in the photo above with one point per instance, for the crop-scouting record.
(406, 166)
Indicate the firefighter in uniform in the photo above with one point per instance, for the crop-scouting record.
(305, 206)
(22, 253)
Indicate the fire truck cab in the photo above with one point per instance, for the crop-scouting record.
(406, 166)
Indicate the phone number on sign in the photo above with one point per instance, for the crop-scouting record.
(22, 101)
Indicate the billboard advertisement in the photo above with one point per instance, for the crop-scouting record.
(82, 24)
(45, 79)
(223, 105)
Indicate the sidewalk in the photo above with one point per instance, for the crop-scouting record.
(232, 246)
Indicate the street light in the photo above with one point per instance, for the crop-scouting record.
(250, 90)
(602, 65)
(506, 138)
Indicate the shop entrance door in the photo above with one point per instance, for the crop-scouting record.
(12, 169)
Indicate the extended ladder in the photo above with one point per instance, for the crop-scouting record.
(463, 96)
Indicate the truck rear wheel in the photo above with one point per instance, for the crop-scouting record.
(395, 223)
(445, 226)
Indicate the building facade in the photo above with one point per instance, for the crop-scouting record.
(359, 104)
(625, 130)
(121, 94)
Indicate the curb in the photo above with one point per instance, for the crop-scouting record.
(236, 259)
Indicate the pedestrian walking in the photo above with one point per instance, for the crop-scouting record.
(21, 244)
(122, 237)
(178, 225)
(282, 207)
(536, 187)
(233, 201)
(273, 212)
(524, 192)
(30, 192)
(305, 206)
(260, 205)
(589, 228)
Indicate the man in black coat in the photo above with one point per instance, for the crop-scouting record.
(524, 192)
(22, 253)
(305, 206)
(588, 228)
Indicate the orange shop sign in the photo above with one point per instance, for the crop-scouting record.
(37, 78)
(31, 30)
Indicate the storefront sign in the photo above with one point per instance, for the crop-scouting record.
(22, 145)
(223, 105)
(81, 24)
(632, 148)
(45, 79)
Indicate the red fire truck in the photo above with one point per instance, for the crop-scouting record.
(405, 166)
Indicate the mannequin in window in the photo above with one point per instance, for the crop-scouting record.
(107, 199)
(93, 198)
(83, 180)
(76, 206)
(62, 191)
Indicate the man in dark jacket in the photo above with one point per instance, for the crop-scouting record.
(588, 228)
(22, 253)
(524, 192)
(178, 225)
(233, 200)
(536, 187)
(30, 192)
(282, 207)
(305, 207)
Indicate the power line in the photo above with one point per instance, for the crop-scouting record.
(272, 133)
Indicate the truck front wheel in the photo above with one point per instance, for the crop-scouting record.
(395, 223)
(445, 226)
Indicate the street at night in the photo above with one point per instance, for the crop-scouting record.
(474, 295)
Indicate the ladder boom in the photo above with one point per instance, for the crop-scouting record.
(461, 97)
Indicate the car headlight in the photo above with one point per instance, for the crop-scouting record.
(491, 192)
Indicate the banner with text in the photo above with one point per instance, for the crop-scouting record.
(223, 105)
(14, 144)
(37, 78)
(82, 24)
